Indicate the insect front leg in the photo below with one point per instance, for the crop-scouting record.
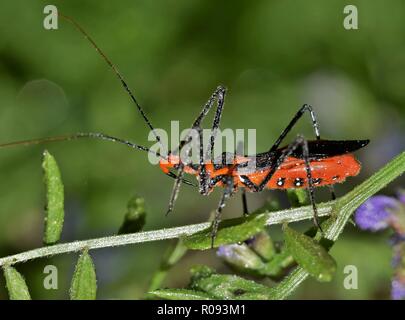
(219, 96)
(203, 177)
(228, 190)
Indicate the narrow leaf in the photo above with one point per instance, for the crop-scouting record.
(84, 283)
(222, 286)
(278, 264)
(54, 212)
(180, 294)
(135, 217)
(309, 254)
(230, 231)
(16, 286)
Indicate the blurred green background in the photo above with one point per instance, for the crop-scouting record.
(272, 55)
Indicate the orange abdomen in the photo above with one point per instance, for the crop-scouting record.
(292, 173)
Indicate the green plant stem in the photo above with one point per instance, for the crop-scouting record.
(343, 211)
(343, 206)
(289, 215)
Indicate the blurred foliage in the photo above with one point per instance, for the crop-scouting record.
(135, 217)
(272, 55)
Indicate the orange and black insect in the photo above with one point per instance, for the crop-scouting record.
(301, 164)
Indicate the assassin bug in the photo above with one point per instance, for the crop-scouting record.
(301, 164)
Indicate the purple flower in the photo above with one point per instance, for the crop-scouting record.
(225, 252)
(375, 214)
(380, 212)
(397, 289)
(240, 256)
(398, 250)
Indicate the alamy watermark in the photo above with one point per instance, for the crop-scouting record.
(351, 281)
(51, 18)
(203, 145)
(51, 278)
(351, 20)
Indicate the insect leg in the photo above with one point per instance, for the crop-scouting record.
(304, 144)
(217, 120)
(228, 181)
(298, 115)
(310, 188)
(175, 190)
(240, 151)
(219, 94)
(332, 192)
(274, 165)
(300, 141)
(244, 202)
(203, 177)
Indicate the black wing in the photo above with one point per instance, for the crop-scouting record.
(329, 148)
(317, 149)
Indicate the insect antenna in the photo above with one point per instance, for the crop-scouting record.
(91, 135)
(80, 135)
(116, 71)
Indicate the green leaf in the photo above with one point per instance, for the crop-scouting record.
(84, 283)
(230, 231)
(223, 286)
(16, 286)
(309, 254)
(297, 197)
(135, 217)
(278, 264)
(54, 213)
(227, 286)
(180, 294)
(199, 272)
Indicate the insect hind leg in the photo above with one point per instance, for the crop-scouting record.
(298, 115)
(299, 141)
(332, 192)
(244, 203)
